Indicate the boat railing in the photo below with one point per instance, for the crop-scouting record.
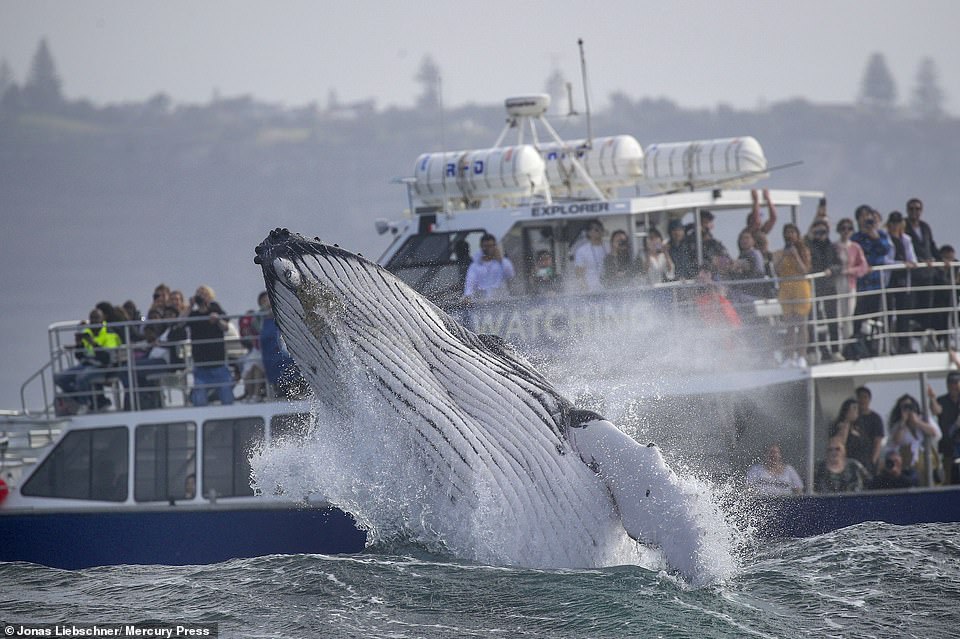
(895, 324)
(125, 375)
(889, 327)
(886, 322)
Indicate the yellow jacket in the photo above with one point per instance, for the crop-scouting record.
(103, 338)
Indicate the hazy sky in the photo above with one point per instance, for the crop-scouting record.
(699, 53)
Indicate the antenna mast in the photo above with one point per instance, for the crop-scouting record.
(586, 93)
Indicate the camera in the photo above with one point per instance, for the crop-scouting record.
(196, 300)
(890, 464)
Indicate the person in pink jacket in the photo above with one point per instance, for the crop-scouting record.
(854, 265)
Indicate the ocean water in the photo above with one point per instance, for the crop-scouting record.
(871, 580)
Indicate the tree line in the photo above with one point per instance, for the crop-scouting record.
(42, 89)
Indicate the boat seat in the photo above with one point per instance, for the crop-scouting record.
(169, 382)
(109, 381)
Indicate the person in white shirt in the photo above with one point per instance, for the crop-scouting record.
(773, 477)
(588, 259)
(490, 273)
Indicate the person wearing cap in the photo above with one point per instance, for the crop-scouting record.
(891, 475)
(898, 282)
(946, 408)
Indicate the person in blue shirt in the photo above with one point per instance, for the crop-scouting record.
(876, 245)
(282, 372)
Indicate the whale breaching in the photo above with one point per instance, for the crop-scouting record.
(491, 437)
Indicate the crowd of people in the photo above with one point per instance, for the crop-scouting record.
(851, 292)
(120, 343)
(914, 449)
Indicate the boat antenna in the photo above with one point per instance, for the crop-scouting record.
(586, 92)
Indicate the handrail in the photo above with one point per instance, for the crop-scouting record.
(43, 382)
(884, 329)
(124, 358)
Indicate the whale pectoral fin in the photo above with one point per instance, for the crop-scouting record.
(654, 509)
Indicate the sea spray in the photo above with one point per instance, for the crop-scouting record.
(369, 468)
(369, 473)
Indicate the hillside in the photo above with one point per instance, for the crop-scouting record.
(104, 203)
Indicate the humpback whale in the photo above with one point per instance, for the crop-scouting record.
(494, 438)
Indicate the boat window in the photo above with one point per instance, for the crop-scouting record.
(292, 427)
(86, 464)
(435, 264)
(226, 455)
(165, 462)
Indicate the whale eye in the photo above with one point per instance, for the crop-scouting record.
(286, 271)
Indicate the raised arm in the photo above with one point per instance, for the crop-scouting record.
(771, 212)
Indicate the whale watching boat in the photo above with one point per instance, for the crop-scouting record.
(652, 356)
(153, 479)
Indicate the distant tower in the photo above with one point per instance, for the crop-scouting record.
(429, 78)
(556, 88)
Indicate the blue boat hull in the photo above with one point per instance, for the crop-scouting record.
(184, 536)
(806, 516)
(177, 536)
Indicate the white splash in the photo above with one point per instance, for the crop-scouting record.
(364, 468)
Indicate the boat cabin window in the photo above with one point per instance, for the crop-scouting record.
(435, 264)
(226, 451)
(165, 461)
(293, 427)
(86, 464)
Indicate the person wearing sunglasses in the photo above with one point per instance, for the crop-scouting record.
(825, 259)
(910, 433)
(853, 265)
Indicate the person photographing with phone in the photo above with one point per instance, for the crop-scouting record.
(910, 434)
